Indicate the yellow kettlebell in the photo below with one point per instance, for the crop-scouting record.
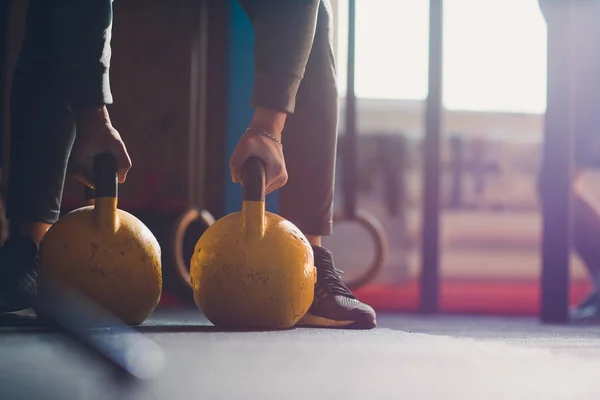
(105, 253)
(253, 268)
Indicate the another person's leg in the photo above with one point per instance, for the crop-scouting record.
(586, 231)
(309, 139)
(585, 216)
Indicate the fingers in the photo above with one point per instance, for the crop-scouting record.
(276, 178)
(270, 154)
(278, 184)
(81, 167)
(235, 165)
(123, 162)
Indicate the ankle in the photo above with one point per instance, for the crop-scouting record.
(33, 230)
(314, 240)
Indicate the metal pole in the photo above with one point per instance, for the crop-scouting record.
(198, 106)
(557, 174)
(429, 282)
(349, 176)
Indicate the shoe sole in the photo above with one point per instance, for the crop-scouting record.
(314, 321)
(583, 321)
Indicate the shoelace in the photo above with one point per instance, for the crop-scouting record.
(329, 282)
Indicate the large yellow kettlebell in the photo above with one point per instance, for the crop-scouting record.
(253, 268)
(105, 253)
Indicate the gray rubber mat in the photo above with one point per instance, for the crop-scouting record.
(408, 357)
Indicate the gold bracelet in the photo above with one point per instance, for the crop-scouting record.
(264, 132)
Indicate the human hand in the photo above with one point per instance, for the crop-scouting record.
(255, 144)
(96, 135)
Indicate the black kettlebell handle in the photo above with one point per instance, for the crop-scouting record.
(253, 179)
(105, 176)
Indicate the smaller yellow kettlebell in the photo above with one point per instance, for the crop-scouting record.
(104, 253)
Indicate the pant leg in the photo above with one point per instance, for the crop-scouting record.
(42, 129)
(586, 107)
(587, 85)
(310, 138)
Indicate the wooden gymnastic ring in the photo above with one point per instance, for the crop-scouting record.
(181, 227)
(376, 231)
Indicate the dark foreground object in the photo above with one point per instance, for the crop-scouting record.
(130, 355)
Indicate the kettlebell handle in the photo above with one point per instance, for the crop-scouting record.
(105, 175)
(253, 179)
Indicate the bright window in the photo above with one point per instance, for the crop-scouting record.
(494, 52)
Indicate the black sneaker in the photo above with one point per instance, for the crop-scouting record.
(334, 305)
(18, 274)
(588, 311)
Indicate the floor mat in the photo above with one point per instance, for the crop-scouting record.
(385, 363)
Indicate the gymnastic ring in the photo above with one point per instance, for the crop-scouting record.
(181, 227)
(379, 236)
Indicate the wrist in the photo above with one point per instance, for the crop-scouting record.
(270, 120)
(91, 118)
(266, 133)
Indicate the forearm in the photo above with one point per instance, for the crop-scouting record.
(284, 33)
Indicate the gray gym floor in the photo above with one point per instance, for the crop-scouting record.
(406, 357)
